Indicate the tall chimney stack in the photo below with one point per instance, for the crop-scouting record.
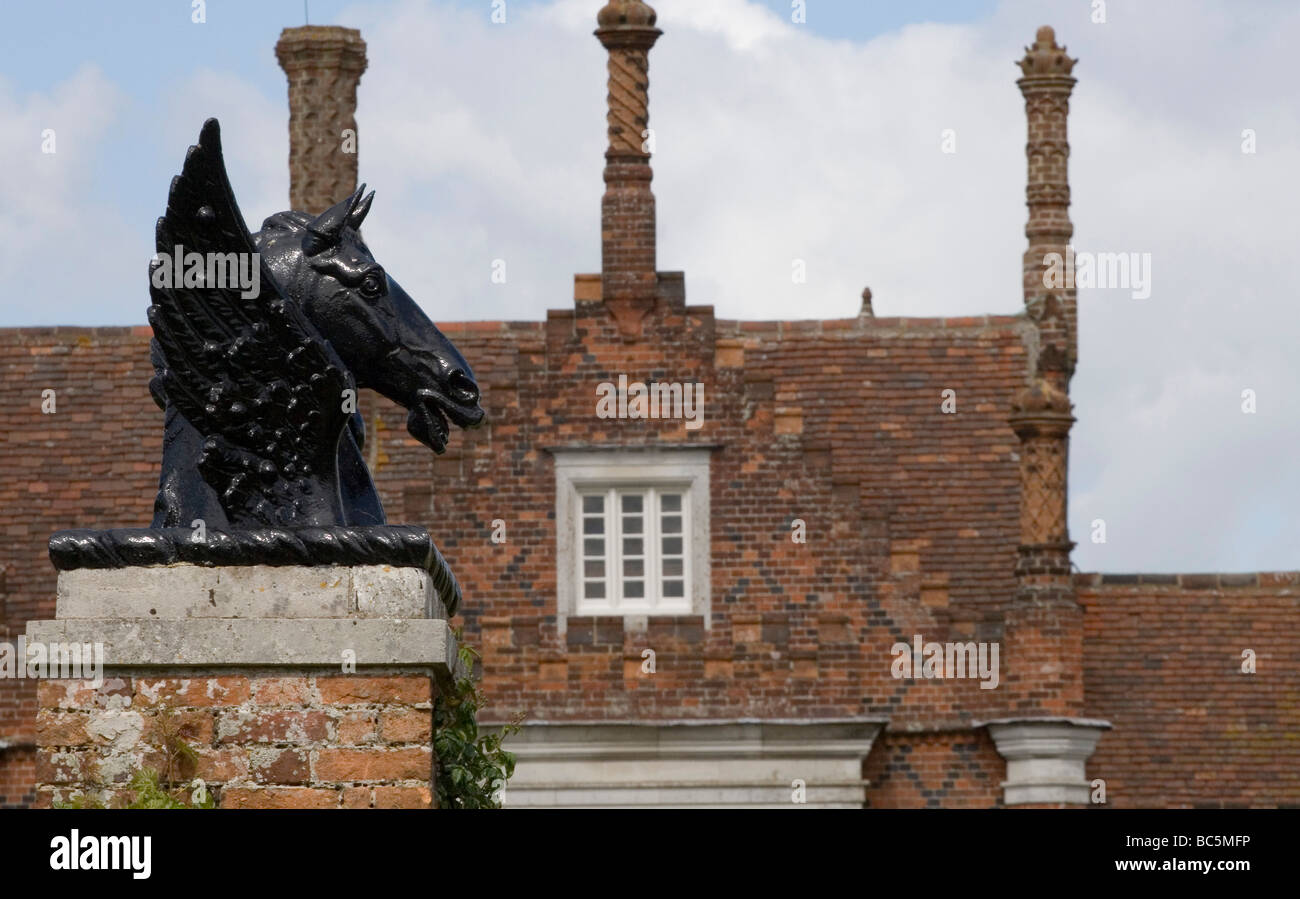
(1041, 415)
(1046, 618)
(627, 210)
(324, 65)
(1044, 737)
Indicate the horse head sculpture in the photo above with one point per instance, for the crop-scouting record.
(260, 344)
(385, 339)
(258, 377)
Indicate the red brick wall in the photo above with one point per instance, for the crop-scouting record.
(911, 517)
(261, 740)
(93, 463)
(18, 763)
(911, 514)
(1162, 662)
(950, 769)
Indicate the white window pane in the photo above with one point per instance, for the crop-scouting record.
(633, 522)
(640, 534)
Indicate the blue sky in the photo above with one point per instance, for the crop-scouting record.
(144, 46)
(775, 141)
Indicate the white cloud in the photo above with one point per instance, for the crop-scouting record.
(254, 137)
(52, 237)
(776, 144)
(485, 142)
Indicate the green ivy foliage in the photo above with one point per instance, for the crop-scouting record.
(151, 793)
(473, 767)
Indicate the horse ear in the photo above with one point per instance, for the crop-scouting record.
(326, 230)
(358, 215)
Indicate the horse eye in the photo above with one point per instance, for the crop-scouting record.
(372, 286)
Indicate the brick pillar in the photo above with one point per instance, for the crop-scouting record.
(296, 687)
(627, 210)
(324, 64)
(1044, 738)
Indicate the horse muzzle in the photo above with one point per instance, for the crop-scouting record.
(432, 410)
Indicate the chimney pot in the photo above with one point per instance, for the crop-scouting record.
(617, 13)
(324, 65)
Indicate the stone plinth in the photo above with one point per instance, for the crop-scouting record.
(295, 687)
(1046, 758)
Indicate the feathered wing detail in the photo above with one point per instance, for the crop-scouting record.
(250, 373)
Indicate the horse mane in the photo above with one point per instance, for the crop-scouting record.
(286, 233)
(287, 221)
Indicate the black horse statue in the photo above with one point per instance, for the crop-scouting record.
(257, 389)
(258, 378)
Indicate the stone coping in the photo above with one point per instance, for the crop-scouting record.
(253, 591)
(199, 617)
(1207, 581)
(269, 642)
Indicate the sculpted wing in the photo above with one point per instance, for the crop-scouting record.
(250, 373)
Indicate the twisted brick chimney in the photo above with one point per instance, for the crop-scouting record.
(627, 210)
(1043, 737)
(1046, 86)
(1046, 618)
(1041, 414)
(324, 65)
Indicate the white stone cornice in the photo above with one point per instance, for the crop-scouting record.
(1046, 758)
(692, 763)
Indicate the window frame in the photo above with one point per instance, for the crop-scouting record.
(582, 471)
(653, 601)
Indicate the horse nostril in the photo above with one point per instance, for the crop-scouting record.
(463, 388)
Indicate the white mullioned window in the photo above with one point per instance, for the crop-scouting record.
(632, 531)
(633, 552)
